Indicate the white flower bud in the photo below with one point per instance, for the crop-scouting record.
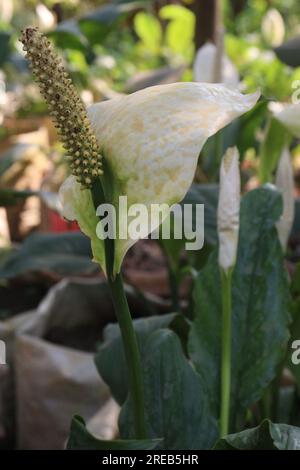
(204, 67)
(289, 117)
(272, 27)
(285, 183)
(228, 216)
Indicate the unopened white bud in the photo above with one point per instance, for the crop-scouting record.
(228, 217)
(285, 183)
(272, 27)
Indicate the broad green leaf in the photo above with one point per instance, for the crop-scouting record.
(296, 227)
(67, 35)
(295, 327)
(81, 439)
(63, 254)
(116, 377)
(181, 28)
(99, 23)
(260, 302)
(249, 124)
(289, 52)
(10, 197)
(148, 29)
(206, 194)
(266, 436)
(271, 149)
(4, 46)
(175, 400)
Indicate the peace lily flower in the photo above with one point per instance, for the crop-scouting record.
(285, 183)
(228, 217)
(148, 142)
(204, 69)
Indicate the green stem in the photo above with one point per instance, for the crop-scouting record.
(132, 354)
(174, 288)
(133, 359)
(226, 353)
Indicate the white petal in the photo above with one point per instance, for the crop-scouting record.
(151, 139)
(290, 118)
(285, 182)
(204, 67)
(228, 217)
(77, 205)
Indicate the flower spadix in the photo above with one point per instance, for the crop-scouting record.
(285, 183)
(228, 217)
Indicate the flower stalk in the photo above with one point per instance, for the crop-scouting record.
(228, 230)
(74, 129)
(226, 286)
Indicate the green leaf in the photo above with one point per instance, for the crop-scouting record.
(181, 28)
(271, 149)
(266, 436)
(63, 254)
(289, 52)
(81, 439)
(249, 124)
(67, 35)
(4, 46)
(99, 23)
(175, 400)
(116, 377)
(206, 194)
(148, 29)
(260, 300)
(10, 197)
(295, 327)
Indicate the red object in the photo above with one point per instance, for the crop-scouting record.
(58, 224)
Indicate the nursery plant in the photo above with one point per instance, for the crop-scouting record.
(182, 382)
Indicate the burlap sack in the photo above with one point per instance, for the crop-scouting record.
(7, 399)
(54, 382)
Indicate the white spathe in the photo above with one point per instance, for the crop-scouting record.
(205, 66)
(151, 141)
(228, 216)
(285, 183)
(290, 118)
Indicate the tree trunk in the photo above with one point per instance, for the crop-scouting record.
(206, 12)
